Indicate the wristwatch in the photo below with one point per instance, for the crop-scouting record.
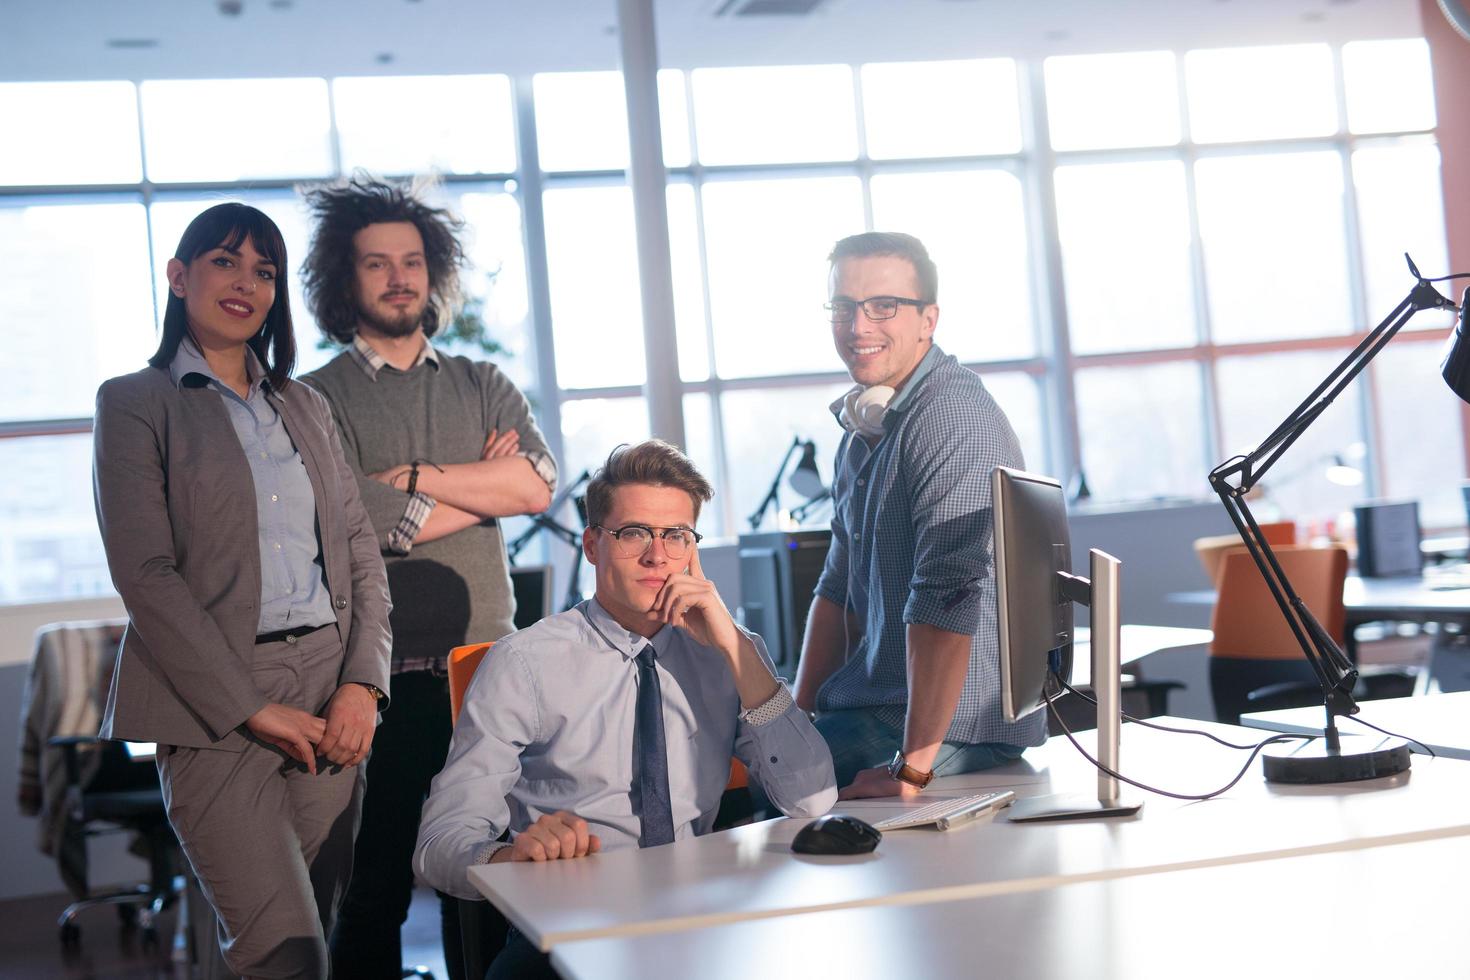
(372, 689)
(903, 772)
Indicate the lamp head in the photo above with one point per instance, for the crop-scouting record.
(1456, 364)
(805, 479)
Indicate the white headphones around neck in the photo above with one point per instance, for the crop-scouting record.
(863, 409)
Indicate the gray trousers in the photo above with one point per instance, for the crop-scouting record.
(271, 849)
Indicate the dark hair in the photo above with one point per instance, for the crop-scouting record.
(899, 246)
(329, 273)
(227, 226)
(652, 463)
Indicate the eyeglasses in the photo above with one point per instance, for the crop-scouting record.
(844, 311)
(632, 540)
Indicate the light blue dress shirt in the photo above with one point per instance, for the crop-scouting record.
(547, 724)
(292, 592)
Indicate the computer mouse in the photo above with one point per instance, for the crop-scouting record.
(836, 833)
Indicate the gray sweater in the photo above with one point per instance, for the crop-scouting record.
(455, 590)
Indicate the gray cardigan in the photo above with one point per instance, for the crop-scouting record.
(176, 507)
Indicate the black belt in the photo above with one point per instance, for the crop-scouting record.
(288, 636)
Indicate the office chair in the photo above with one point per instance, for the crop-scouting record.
(1212, 550)
(122, 795)
(1255, 661)
(482, 927)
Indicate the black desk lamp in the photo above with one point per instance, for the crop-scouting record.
(1326, 761)
(805, 480)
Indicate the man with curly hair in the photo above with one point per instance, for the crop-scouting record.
(443, 447)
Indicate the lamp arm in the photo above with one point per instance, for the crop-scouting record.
(1235, 478)
(773, 494)
(1248, 469)
(799, 512)
(1336, 674)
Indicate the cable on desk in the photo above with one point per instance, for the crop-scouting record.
(1427, 750)
(1215, 738)
(1051, 707)
(1155, 725)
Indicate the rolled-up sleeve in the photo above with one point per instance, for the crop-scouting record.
(952, 455)
(467, 810)
(785, 754)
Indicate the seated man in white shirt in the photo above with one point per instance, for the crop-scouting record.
(612, 724)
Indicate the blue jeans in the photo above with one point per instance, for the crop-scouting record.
(859, 739)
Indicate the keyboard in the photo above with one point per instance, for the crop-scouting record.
(950, 813)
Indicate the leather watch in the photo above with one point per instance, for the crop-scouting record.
(900, 770)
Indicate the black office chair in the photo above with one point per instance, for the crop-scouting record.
(122, 796)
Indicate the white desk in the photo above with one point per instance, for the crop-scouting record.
(1378, 912)
(1138, 642)
(1440, 721)
(750, 872)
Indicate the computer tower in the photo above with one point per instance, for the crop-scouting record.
(778, 571)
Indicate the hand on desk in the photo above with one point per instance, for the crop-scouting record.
(554, 836)
(877, 782)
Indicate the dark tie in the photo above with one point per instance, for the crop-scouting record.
(654, 809)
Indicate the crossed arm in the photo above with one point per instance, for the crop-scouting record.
(501, 483)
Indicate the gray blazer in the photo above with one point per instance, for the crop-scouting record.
(176, 506)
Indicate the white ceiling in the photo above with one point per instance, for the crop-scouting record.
(69, 39)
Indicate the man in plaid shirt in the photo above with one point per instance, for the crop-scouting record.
(901, 655)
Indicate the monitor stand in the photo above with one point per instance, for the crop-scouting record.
(1100, 593)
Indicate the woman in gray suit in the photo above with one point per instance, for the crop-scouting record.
(257, 650)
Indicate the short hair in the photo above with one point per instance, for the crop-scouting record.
(652, 463)
(344, 208)
(228, 226)
(897, 245)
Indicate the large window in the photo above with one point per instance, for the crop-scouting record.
(1156, 252)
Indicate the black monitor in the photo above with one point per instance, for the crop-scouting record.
(1032, 546)
(532, 587)
(1035, 590)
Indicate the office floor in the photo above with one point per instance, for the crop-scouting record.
(29, 949)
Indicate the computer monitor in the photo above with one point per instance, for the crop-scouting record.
(1032, 546)
(532, 587)
(1035, 590)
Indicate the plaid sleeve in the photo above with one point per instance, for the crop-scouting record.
(953, 454)
(543, 464)
(401, 538)
(832, 585)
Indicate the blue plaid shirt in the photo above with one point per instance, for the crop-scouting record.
(912, 543)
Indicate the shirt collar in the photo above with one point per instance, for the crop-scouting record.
(624, 641)
(926, 364)
(901, 400)
(189, 360)
(372, 362)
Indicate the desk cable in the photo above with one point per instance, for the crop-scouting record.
(1427, 750)
(1215, 738)
(1255, 750)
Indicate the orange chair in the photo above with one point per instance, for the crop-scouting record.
(462, 664)
(1211, 551)
(482, 927)
(1254, 647)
